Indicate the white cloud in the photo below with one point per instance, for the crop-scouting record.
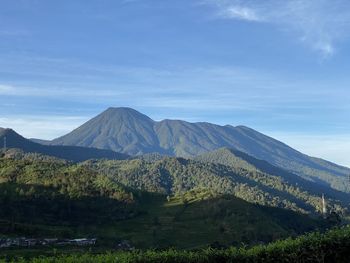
(221, 87)
(42, 127)
(319, 24)
(243, 13)
(54, 92)
(6, 89)
(13, 33)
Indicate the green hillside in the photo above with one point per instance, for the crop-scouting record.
(173, 176)
(196, 219)
(44, 197)
(45, 192)
(239, 160)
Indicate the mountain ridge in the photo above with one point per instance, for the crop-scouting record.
(72, 153)
(128, 131)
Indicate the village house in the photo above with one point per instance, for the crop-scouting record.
(30, 242)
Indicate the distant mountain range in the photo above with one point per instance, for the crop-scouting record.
(119, 132)
(130, 132)
(73, 153)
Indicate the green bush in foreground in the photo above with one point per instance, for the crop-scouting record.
(333, 246)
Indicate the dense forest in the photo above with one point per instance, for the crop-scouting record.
(317, 179)
(36, 189)
(150, 203)
(177, 175)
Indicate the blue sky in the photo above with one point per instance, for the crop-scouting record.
(281, 67)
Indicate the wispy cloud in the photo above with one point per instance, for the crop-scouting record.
(239, 12)
(14, 33)
(319, 24)
(43, 127)
(220, 87)
(6, 89)
(56, 92)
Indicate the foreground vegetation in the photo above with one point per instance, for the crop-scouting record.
(333, 246)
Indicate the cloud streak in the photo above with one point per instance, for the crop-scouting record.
(319, 24)
(220, 87)
(243, 13)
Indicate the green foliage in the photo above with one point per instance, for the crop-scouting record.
(280, 179)
(242, 179)
(196, 218)
(51, 191)
(50, 197)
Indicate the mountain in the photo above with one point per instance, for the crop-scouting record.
(128, 131)
(121, 130)
(73, 153)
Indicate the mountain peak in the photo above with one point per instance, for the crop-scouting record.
(5, 129)
(7, 132)
(120, 109)
(119, 129)
(119, 112)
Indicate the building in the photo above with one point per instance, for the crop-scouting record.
(83, 241)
